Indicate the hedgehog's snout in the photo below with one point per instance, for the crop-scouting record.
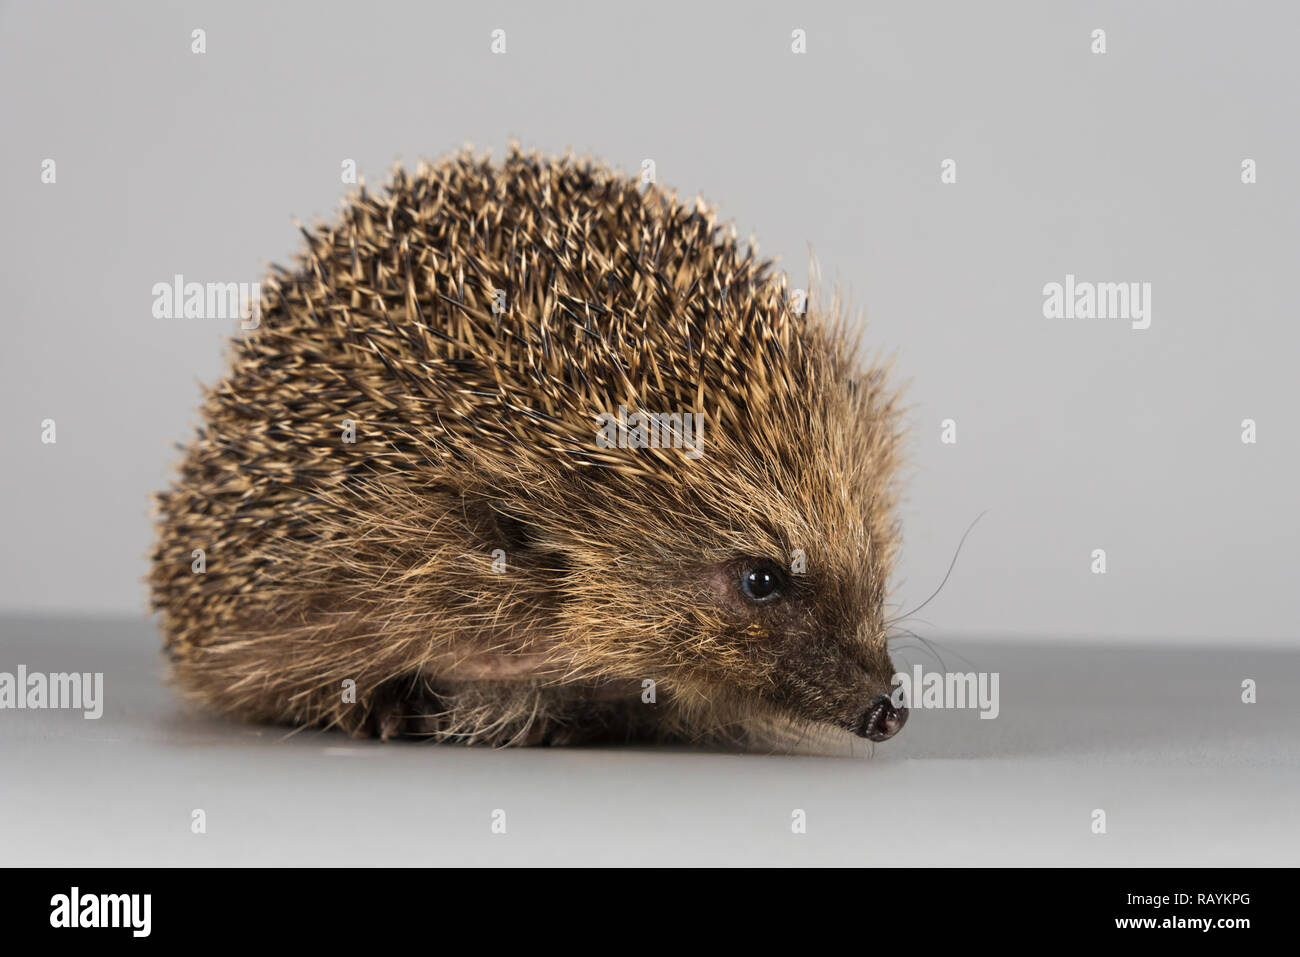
(882, 720)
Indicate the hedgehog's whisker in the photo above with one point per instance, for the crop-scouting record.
(932, 647)
(947, 575)
(926, 644)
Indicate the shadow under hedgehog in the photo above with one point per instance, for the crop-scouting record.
(411, 523)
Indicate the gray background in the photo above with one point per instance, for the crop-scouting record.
(1119, 692)
(1073, 434)
(1154, 736)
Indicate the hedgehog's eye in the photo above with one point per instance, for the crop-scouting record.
(761, 582)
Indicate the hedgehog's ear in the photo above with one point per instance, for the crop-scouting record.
(514, 532)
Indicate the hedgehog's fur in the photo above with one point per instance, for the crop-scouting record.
(476, 431)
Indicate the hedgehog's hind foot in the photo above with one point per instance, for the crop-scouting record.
(404, 707)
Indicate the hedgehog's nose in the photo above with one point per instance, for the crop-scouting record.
(882, 720)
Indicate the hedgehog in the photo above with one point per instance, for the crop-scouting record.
(532, 452)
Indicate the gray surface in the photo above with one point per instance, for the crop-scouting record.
(1155, 736)
(1075, 435)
